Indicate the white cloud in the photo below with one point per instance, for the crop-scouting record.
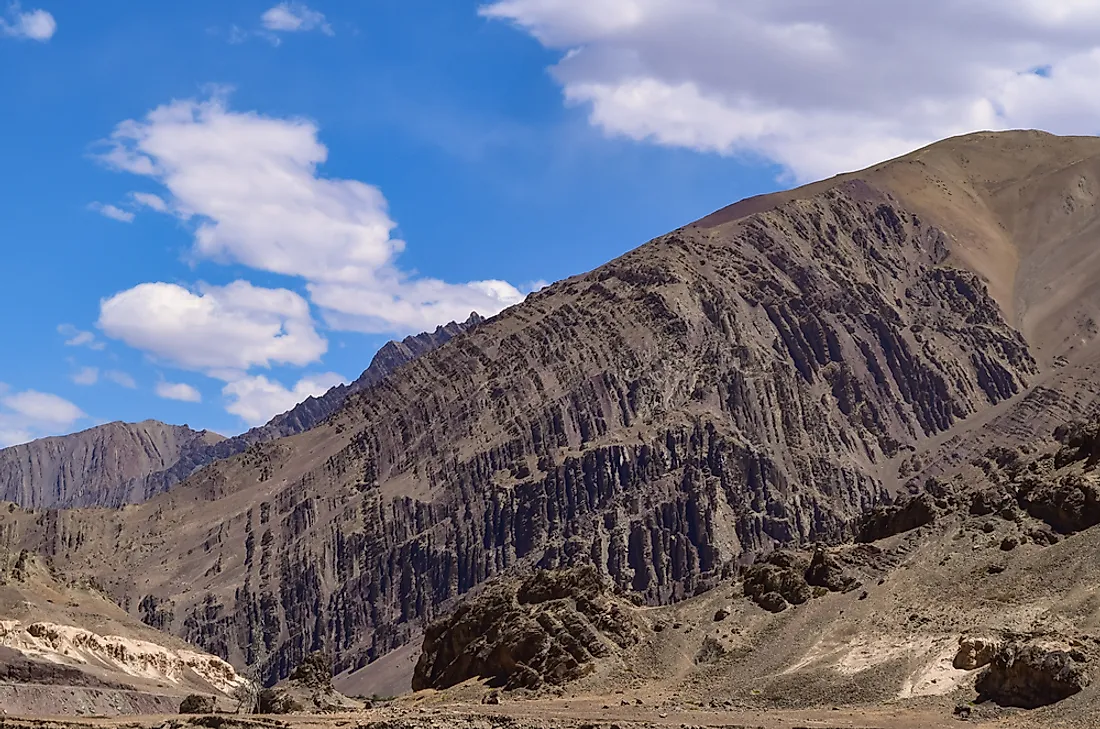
(178, 391)
(121, 379)
(819, 88)
(236, 327)
(86, 376)
(251, 187)
(258, 399)
(36, 25)
(77, 338)
(112, 212)
(291, 17)
(149, 200)
(30, 414)
(417, 305)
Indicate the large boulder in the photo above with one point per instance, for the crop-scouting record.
(548, 629)
(1033, 675)
(197, 704)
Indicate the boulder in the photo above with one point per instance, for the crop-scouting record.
(1032, 675)
(549, 628)
(772, 602)
(197, 704)
(277, 700)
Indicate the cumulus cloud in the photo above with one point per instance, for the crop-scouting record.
(212, 328)
(36, 25)
(178, 391)
(86, 376)
(112, 212)
(78, 338)
(31, 414)
(819, 88)
(293, 17)
(251, 187)
(258, 399)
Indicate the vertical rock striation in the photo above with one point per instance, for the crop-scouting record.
(721, 391)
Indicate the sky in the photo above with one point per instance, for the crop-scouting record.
(210, 211)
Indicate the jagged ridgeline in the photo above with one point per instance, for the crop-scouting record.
(750, 381)
(123, 463)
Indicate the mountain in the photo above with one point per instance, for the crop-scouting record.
(302, 417)
(120, 463)
(87, 467)
(759, 380)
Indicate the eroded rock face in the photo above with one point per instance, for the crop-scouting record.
(975, 652)
(717, 394)
(548, 629)
(1033, 675)
(89, 468)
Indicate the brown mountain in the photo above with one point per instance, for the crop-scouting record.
(122, 463)
(87, 467)
(302, 417)
(759, 379)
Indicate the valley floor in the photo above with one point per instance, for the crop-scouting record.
(591, 713)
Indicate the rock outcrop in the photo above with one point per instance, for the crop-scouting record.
(1030, 675)
(197, 704)
(550, 628)
(309, 689)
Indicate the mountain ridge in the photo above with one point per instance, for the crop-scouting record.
(743, 384)
(27, 470)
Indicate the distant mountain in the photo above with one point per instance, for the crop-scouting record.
(87, 467)
(120, 464)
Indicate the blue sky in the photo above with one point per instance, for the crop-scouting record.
(209, 210)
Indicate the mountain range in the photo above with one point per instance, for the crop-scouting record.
(122, 463)
(757, 381)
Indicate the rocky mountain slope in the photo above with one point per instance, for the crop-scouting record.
(65, 648)
(87, 467)
(757, 380)
(120, 463)
(302, 417)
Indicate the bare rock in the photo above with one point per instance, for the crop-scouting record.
(827, 571)
(782, 575)
(974, 653)
(547, 629)
(1032, 675)
(773, 602)
(197, 704)
(906, 515)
